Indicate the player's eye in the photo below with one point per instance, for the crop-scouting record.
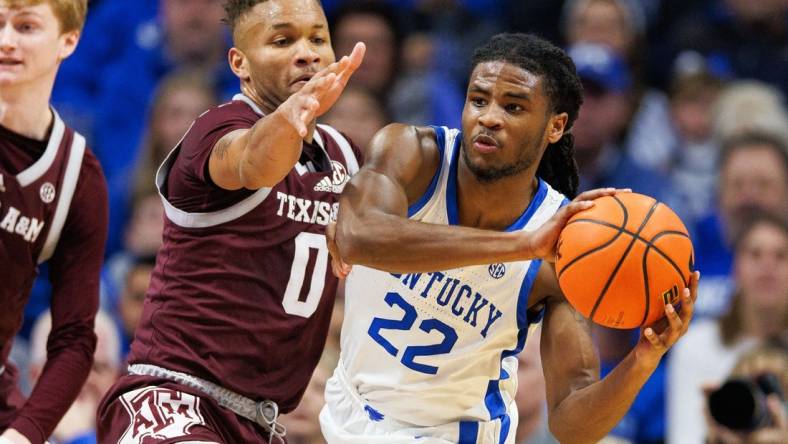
(26, 27)
(281, 42)
(478, 102)
(318, 40)
(513, 108)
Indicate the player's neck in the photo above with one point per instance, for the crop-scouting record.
(26, 111)
(492, 205)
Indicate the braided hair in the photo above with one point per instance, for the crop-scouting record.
(564, 91)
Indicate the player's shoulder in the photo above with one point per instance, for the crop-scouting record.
(396, 138)
(233, 110)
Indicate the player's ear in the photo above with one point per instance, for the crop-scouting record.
(238, 63)
(555, 128)
(68, 43)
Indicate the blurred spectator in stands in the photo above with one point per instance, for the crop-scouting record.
(758, 311)
(425, 93)
(621, 26)
(749, 36)
(78, 426)
(602, 123)
(409, 77)
(693, 164)
(374, 23)
(180, 97)
(532, 426)
(618, 24)
(770, 359)
(132, 295)
(193, 38)
(142, 238)
(753, 172)
(359, 114)
(111, 29)
(750, 106)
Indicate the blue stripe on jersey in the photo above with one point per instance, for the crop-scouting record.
(536, 202)
(451, 184)
(440, 134)
(469, 431)
(493, 399)
(505, 425)
(524, 318)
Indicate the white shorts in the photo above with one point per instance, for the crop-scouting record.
(347, 419)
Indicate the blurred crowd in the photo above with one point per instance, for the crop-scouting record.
(684, 101)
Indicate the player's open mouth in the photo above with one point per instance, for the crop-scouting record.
(10, 62)
(303, 79)
(485, 144)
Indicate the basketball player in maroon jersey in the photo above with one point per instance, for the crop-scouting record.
(53, 207)
(238, 309)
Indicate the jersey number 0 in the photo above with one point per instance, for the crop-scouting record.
(305, 243)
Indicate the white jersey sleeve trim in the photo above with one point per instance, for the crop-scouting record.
(250, 102)
(344, 145)
(41, 166)
(202, 220)
(70, 179)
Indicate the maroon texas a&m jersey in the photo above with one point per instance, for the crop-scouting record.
(242, 291)
(53, 207)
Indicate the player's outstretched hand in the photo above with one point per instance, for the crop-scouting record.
(543, 241)
(321, 91)
(338, 267)
(656, 339)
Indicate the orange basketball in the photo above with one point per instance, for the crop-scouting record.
(621, 261)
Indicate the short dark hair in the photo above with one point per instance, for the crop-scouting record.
(747, 140)
(235, 9)
(564, 91)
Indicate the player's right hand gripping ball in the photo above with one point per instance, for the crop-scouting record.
(620, 262)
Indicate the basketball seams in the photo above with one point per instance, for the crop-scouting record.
(665, 256)
(623, 257)
(620, 230)
(636, 236)
(648, 290)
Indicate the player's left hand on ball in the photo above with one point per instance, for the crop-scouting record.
(338, 267)
(656, 339)
(543, 240)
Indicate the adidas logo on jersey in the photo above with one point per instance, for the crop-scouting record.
(336, 183)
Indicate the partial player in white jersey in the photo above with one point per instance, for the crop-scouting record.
(430, 356)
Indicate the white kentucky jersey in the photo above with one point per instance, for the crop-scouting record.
(434, 348)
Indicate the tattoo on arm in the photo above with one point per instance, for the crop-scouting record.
(221, 147)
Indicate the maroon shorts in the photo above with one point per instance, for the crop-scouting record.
(147, 410)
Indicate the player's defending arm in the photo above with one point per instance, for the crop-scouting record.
(263, 155)
(74, 271)
(373, 227)
(581, 407)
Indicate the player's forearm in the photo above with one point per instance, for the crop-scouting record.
(587, 415)
(396, 244)
(272, 148)
(59, 384)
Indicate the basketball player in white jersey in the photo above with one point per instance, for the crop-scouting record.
(53, 208)
(430, 356)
